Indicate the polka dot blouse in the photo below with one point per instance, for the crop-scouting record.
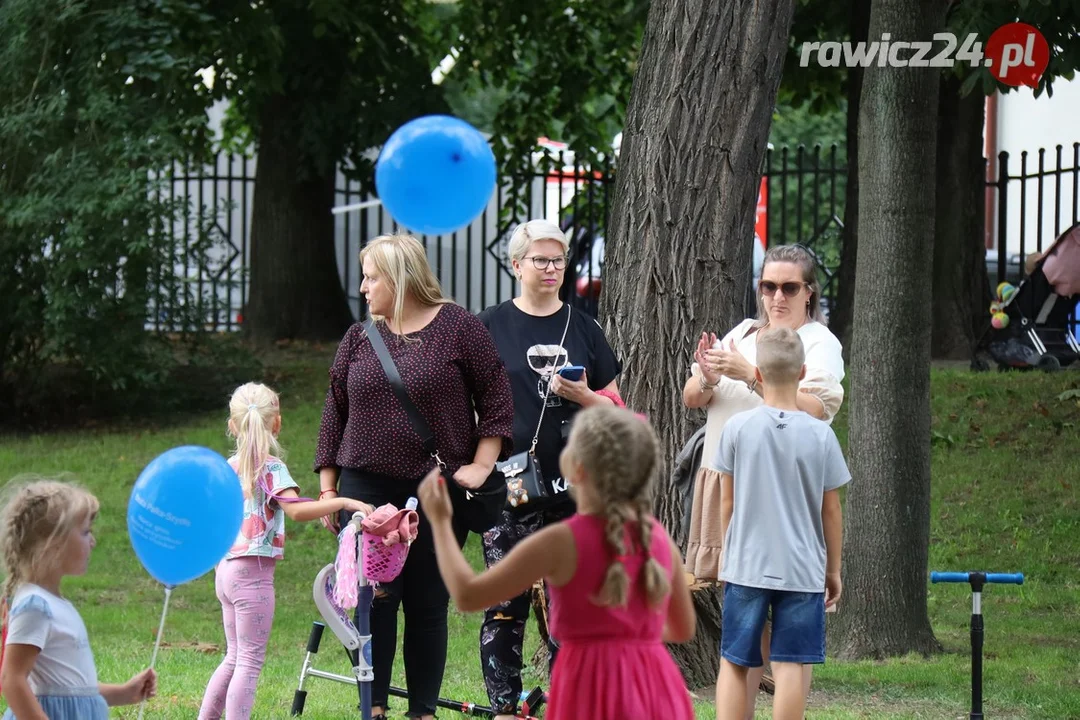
(454, 368)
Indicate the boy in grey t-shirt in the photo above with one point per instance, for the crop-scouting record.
(782, 527)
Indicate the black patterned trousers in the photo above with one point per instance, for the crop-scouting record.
(503, 632)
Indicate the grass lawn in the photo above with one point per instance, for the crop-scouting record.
(1006, 476)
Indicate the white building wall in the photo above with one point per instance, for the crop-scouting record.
(1026, 124)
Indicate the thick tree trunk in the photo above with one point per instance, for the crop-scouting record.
(678, 243)
(295, 288)
(887, 516)
(961, 291)
(840, 318)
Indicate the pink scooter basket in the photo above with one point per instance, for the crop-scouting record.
(385, 541)
(382, 563)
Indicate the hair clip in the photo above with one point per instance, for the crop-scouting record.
(622, 558)
(253, 406)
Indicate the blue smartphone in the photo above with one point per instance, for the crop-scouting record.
(572, 372)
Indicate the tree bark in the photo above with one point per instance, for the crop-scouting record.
(840, 318)
(961, 293)
(295, 288)
(883, 611)
(678, 246)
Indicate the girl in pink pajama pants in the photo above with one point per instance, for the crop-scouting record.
(244, 579)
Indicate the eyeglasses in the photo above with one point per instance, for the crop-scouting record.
(790, 289)
(541, 263)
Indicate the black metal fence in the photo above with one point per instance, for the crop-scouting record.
(1056, 204)
(803, 202)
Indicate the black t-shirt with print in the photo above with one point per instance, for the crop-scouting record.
(529, 347)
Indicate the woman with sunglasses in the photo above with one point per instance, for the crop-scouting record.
(722, 381)
(537, 334)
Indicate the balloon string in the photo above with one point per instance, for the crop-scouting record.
(157, 643)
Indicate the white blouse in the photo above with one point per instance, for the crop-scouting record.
(824, 373)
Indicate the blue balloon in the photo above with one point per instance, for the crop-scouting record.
(435, 174)
(184, 513)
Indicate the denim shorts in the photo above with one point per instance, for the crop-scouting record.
(798, 625)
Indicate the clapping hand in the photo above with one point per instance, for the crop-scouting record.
(705, 365)
(729, 362)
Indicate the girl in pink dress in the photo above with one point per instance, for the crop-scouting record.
(617, 588)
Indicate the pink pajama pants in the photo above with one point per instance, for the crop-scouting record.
(245, 587)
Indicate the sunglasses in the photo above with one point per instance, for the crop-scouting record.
(790, 289)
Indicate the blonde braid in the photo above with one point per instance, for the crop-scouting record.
(618, 451)
(616, 588)
(36, 515)
(653, 576)
(604, 451)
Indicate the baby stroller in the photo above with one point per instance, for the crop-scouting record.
(376, 561)
(1034, 325)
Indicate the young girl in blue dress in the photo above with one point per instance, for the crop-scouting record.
(47, 671)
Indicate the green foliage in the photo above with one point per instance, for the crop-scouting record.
(557, 69)
(1057, 20)
(331, 79)
(820, 88)
(98, 103)
(808, 179)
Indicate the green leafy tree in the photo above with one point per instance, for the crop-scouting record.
(961, 289)
(887, 509)
(88, 127)
(679, 238)
(312, 83)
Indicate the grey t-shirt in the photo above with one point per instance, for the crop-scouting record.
(782, 462)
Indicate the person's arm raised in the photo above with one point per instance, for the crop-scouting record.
(699, 388)
(549, 553)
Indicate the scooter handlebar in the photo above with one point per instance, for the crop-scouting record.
(965, 577)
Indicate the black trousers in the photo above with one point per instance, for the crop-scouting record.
(503, 632)
(418, 590)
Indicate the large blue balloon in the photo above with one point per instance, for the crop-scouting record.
(435, 174)
(184, 513)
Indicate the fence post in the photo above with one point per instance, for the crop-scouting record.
(1003, 214)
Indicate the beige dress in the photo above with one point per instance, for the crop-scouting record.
(824, 373)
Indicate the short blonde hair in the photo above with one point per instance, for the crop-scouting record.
(780, 356)
(402, 260)
(527, 233)
(620, 453)
(37, 514)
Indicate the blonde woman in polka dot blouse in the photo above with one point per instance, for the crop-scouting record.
(368, 450)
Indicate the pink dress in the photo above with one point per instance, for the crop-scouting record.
(612, 663)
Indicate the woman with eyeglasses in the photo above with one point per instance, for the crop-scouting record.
(537, 334)
(722, 381)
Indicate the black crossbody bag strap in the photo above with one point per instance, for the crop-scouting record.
(419, 424)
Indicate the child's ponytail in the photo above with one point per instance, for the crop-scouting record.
(616, 588)
(619, 452)
(253, 411)
(653, 576)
